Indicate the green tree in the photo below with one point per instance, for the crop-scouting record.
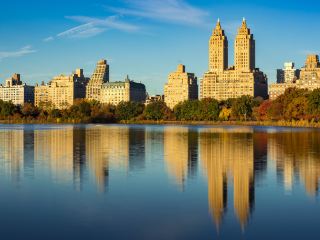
(314, 102)
(128, 110)
(242, 107)
(156, 111)
(188, 110)
(209, 109)
(7, 108)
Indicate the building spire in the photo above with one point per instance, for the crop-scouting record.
(244, 22)
(218, 29)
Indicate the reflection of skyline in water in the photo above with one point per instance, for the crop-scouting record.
(232, 159)
(296, 154)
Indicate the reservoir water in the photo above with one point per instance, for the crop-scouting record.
(158, 182)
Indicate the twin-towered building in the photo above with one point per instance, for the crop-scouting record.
(221, 81)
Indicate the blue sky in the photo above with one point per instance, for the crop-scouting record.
(147, 38)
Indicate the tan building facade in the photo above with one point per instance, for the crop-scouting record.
(181, 86)
(62, 91)
(309, 78)
(221, 82)
(98, 78)
(16, 91)
(126, 91)
(288, 74)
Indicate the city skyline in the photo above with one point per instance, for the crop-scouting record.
(128, 35)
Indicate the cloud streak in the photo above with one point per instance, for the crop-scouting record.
(91, 27)
(18, 53)
(171, 11)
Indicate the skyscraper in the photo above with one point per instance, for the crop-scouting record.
(244, 49)
(218, 50)
(221, 82)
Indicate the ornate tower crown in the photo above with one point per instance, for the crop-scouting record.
(218, 31)
(244, 30)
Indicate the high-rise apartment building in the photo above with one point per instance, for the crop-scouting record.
(221, 82)
(98, 78)
(17, 92)
(288, 74)
(62, 91)
(244, 49)
(125, 91)
(218, 50)
(181, 86)
(309, 78)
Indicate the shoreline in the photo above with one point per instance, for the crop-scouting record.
(290, 124)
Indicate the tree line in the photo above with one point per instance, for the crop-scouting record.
(294, 104)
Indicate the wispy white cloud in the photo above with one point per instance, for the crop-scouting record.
(171, 11)
(48, 39)
(18, 53)
(93, 26)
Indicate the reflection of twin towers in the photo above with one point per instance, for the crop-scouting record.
(236, 157)
(241, 155)
(222, 154)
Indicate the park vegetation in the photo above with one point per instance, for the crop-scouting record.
(295, 105)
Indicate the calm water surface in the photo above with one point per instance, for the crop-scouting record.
(158, 182)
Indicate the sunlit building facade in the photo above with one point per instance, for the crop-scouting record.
(221, 82)
(16, 92)
(289, 74)
(62, 91)
(99, 77)
(125, 91)
(309, 78)
(181, 86)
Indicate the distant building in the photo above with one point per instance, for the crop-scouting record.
(221, 82)
(17, 92)
(62, 90)
(154, 98)
(116, 92)
(98, 78)
(181, 86)
(289, 74)
(309, 79)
